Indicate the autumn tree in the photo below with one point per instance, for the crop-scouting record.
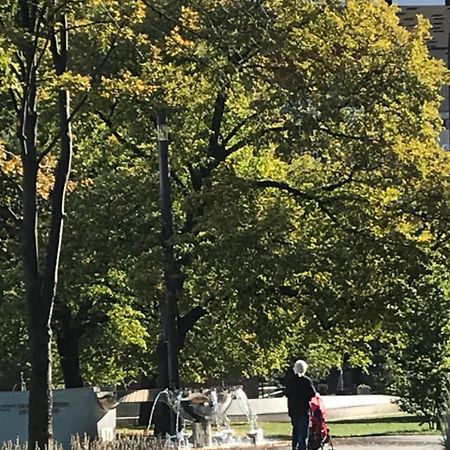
(328, 188)
(305, 201)
(36, 36)
(33, 30)
(281, 130)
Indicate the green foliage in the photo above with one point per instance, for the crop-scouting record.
(445, 429)
(421, 362)
(310, 193)
(306, 194)
(106, 281)
(305, 202)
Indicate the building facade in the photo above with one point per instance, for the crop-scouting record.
(438, 13)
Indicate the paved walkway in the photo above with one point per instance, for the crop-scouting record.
(413, 442)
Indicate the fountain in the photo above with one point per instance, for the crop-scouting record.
(204, 410)
(255, 433)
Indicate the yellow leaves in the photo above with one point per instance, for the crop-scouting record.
(181, 42)
(46, 176)
(391, 195)
(73, 82)
(128, 325)
(426, 155)
(112, 140)
(178, 42)
(249, 164)
(140, 11)
(374, 16)
(406, 227)
(141, 40)
(155, 54)
(431, 69)
(414, 231)
(249, 337)
(128, 85)
(425, 237)
(322, 278)
(132, 11)
(189, 18)
(7, 68)
(423, 29)
(10, 164)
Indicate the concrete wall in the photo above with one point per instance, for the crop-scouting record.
(338, 407)
(75, 411)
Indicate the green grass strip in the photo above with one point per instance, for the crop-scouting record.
(384, 426)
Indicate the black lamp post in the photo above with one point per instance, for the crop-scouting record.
(169, 310)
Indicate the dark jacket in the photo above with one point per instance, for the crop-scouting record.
(299, 391)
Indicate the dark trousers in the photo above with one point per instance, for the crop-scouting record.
(300, 431)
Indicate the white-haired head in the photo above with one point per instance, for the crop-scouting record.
(300, 367)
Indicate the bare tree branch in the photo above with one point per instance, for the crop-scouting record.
(90, 24)
(165, 16)
(283, 186)
(15, 101)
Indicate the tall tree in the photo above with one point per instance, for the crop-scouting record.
(304, 201)
(281, 129)
(278, 125)
(35, 30)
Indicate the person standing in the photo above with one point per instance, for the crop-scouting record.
(299, 391)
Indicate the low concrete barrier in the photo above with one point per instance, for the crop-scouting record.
(338, 407)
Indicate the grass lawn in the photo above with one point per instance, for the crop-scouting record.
(347, 428)
(396, 425)
(382, 426)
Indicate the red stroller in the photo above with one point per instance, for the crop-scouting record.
(319, 433)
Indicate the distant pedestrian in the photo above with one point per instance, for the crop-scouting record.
(299, 391)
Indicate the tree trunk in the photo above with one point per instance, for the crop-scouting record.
(67, 341)
(59, 49)
(40, 431)
(40, 287)
(68, 333)
(40, 400)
